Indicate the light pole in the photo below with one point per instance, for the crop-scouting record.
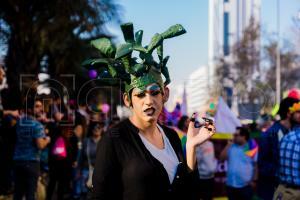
(278, 67)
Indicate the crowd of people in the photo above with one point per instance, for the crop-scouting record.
(56, 149)
(48, 151)
(267, 166)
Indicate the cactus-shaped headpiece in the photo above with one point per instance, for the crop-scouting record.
(134, 72)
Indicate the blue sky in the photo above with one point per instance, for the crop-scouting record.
(189, 51)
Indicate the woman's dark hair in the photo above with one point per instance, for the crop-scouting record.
(29, 103)
(244, 132)
(92, 126)
(181, 122)
(285, 104)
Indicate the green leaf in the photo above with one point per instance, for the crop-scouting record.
(155, 42)
(126, 64)
(139, 48)
(95, 61)
(160, 52)
(112, 71)
(166, 74)
(165, 60)
(123, 50)
(139, 69)
(105, 46)
(173, 31)
(139, 37)
(127, 30)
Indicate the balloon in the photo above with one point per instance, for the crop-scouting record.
(105, 108)
(93, 73)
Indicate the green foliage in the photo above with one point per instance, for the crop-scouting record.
(141, 73)
(60, 30)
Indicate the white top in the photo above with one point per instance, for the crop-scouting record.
(207, 163)
(166, 156)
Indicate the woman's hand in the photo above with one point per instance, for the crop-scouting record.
(197, 136)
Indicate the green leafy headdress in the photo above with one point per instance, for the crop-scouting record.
(119, 63)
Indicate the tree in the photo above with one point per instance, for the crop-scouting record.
(296, 32)
(289, 62)
(243, 63)
(57, 32)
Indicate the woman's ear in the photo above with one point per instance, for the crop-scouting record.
(166, 94)
(126, 100)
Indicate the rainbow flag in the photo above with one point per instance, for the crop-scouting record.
(251, 148)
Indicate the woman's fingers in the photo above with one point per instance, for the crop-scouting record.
(211, 129)
(192, 122)
(192, 129)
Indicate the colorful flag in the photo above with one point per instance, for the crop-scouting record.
(251, 148)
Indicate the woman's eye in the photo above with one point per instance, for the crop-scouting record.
(154, 93)
(141, 95)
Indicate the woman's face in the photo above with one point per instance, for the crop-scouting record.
(97, 131)
(147, 105)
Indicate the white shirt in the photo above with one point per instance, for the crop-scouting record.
(206, 160)
(166, 156)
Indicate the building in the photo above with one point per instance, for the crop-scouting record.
(197, 91)
(227, 21)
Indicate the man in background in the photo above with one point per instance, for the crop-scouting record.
(242, 170)
(207, 164)
(268, 157)
(289, 162)
(30, 139)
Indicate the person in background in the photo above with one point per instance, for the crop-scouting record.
(58, 109)
(30, 139)
(183, 123)
(268, 157)
(89, 149)
(82, 117)
(242, 169)
(207, 165)
(8, 120)
(182, 128)
(289, 159)
(60, 164)
(76, 143)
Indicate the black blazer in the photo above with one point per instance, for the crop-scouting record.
(126, 170)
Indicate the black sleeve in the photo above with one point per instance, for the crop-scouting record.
(106, 176)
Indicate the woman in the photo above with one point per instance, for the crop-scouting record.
(61, 157)
(138, 158)
(182, 128)
(89, 153)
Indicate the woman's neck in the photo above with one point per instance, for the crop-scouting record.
(146, 128)
(96, 138)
